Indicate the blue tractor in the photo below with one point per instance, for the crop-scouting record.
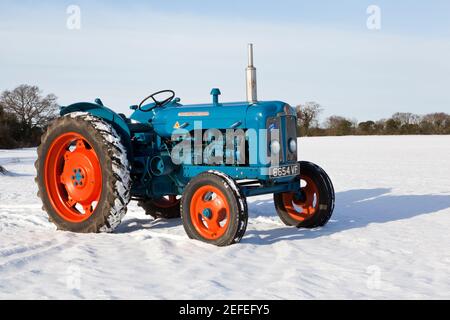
(198, 161)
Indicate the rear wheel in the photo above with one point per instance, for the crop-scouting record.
(213, 209)
(167, 207)
(314, 205)
(83, 174)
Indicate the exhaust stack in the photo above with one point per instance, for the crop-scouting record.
(251, 77)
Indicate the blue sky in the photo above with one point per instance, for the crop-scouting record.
(304, 51)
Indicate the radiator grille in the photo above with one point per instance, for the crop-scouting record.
(274, 123)
(291, 133)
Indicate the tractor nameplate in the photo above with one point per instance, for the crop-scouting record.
(193, 114)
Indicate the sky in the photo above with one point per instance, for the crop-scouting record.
(319, 51)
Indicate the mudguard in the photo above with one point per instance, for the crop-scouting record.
(106, 114)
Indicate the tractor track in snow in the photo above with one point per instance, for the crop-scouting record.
(20, 207)
(19, 256)
(16, 217)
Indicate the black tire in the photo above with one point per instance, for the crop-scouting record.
(115, 171)
(151, 208)
(238, 213)
(324, 203)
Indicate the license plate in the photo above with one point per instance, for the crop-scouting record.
(283, 171)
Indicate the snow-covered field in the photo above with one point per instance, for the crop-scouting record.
(388, 238)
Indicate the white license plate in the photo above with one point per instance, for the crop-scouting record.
(283, 171)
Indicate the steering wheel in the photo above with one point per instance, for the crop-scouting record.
(158, 103)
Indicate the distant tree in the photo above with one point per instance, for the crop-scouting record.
(435, 123)
(392, 126)
(410, 129)
(307, 117)
(405, 118)
(29, 106)
(379, 126)
(10, 130)
(339, 126)
(408, 122)
(367, 127)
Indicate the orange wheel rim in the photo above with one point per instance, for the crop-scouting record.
(210, 212)
(73, 177)
(166, 201)
(301, 210)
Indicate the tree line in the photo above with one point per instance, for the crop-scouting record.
(400, 123)
(25, 112)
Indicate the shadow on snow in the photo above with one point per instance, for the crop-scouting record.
(354, 209)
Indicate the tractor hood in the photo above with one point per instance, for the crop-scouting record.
(233, 115)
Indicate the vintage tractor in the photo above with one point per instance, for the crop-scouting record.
(198, 161)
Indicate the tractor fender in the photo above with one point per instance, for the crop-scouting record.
(116, 121)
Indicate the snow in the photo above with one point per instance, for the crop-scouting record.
(388, 238)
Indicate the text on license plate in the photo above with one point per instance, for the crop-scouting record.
(282, 171)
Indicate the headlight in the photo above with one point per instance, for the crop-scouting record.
(292, 145)
(275, 147)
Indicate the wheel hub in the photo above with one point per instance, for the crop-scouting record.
(299, 197)
(79, 175)
(207, 213)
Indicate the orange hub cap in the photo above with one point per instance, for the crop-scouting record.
(73, 177)
(302, 209)
(210, 212)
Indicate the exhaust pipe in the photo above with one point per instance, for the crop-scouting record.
(251, 77)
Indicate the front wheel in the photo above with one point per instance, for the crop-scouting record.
(213, 209)
(314, 205)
